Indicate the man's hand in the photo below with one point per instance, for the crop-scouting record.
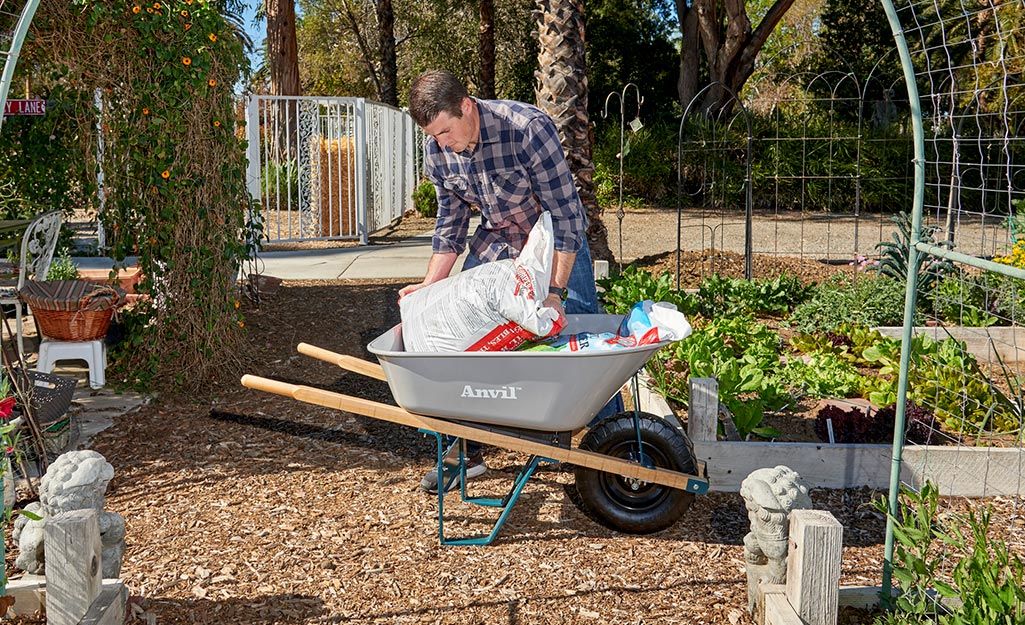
(438, 268)
(554, 302)
(406, 290)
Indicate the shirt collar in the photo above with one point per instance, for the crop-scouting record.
(488, 130)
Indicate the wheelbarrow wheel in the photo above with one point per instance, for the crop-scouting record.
(626, 504)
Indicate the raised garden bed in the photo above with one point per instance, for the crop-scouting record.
(956, 470)
(986, 344)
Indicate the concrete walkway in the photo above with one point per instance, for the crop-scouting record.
(405, 259)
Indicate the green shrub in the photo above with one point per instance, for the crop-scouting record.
(62, 267)
(983, 588)
(425, 199)
(866, 301)
(962, 299)
(649, 165)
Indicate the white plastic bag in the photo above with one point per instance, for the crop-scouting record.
(647, 323)
(495, 306)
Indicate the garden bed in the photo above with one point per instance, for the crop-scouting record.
(956, 470)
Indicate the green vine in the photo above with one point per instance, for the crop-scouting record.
(174, 171)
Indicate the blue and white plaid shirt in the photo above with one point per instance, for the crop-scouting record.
(516, 170)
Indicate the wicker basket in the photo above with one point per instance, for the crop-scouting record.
(72, 310)
(51, 397)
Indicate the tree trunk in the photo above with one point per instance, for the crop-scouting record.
(729, 44)
(690, 55)
(283, 64)
(282, 50)
(486, 89)
(562, 93)
(388, 88)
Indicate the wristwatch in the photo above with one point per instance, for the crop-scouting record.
(557, 290)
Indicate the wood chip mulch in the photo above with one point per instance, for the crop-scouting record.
(244, 507)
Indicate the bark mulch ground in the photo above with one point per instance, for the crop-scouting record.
(249, 508)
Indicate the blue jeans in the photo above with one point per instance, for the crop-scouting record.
(581, 299)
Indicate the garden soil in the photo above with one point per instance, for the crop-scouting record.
(248, 508)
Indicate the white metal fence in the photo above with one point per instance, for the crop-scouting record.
(329, 168)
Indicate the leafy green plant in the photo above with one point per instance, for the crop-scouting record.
(822, 374)
(895, 256)
(985, 586)
(1015, 222)
(732, 296)
(63, 267)
(634, 285)
(866, 302)
(425, 199)
(742, 355)
(962, 299)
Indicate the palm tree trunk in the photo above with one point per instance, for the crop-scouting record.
(389, 92)
(487, 50)
(562, 93)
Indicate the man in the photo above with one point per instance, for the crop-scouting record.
(504, 159)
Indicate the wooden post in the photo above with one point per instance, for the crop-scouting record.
(601, 269)
(703, 413)
(74, 574)
(813, 566)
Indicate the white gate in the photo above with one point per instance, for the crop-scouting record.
(328, 168)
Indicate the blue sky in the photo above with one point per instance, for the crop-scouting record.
(257, 32)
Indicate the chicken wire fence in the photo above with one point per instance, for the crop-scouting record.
(959, 399)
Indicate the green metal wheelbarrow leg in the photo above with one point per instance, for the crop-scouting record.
(452, 467)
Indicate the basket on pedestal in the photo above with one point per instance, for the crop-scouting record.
(72, 310)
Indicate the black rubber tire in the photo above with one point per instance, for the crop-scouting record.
(613, 500)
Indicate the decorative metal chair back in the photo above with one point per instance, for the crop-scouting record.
(37, 247)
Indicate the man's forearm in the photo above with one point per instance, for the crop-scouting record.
(562, 266)
(440, 266)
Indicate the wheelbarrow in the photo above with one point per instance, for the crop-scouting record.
(633, 472)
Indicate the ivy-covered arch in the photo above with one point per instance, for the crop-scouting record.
(173, 166)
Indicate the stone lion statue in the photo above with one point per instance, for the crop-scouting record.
(77, 480)
(769, 496)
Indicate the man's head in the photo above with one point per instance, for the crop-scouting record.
(440, 105)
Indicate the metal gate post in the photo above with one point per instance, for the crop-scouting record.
(253, 165)
(361, 133)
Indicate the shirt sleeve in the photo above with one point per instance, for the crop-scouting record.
(453, 214)
(553, 184)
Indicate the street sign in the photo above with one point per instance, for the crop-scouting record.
(25, 107)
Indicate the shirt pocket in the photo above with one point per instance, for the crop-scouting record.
(460, 186)
(512, 187)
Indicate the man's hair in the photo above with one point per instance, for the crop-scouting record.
(435, 91)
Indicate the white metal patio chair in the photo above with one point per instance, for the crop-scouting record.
(37, 248)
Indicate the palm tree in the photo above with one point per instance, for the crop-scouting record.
(562, 93)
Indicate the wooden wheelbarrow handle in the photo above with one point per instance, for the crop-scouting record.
(349, 363)
(394, 414)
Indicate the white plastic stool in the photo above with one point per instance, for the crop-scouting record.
(93, 352)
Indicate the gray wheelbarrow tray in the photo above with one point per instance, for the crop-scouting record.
(497, 397)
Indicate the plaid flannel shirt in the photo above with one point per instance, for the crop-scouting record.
(516, 170)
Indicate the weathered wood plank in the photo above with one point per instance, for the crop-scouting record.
(73, 567)
(813, 566)
(956, 471)
(778, 611)
(109, 606)
(29, 594)
(703, 413)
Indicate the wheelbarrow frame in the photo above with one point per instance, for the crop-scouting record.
(451, 462)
